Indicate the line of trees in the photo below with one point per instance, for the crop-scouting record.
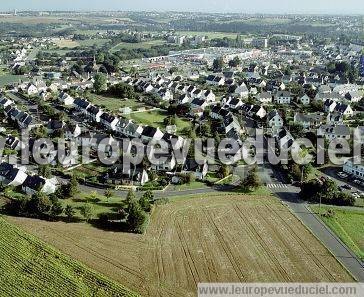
(326, 192)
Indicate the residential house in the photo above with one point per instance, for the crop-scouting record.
(11, 176)
(66, 99)
(215, 80)
(274, 120)
(94, 113)
(4, 102)
(353, 96)
(109, 121)
(208, 96)
(151, 133)
(308, 120)
(329, 105)
(264, 98)
(81, 105)
(283, 97)
(72, 131)
(305, 100)
(191, 166)
(184, 99)
(218, 113)
(344, 109)
(334, 118)
(354, 169)
(257, 111)
(232, 102)
(34, 184)
(284, 139)
(331, 132)
(198, 103)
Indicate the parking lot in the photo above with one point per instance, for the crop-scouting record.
(345, 182)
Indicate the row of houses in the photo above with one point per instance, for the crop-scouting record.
(23, 119)
(10, 175)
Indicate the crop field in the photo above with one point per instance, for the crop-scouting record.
(66, 43)
(215, 238)
(144, 44)
(29, 267)
(210, 35)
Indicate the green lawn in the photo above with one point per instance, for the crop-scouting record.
(99, 203)
(114, 104)
(145, 44)
(29, 267)
(93, 42)
(348, 225)
(8, 78)
(192, 186)
(155, 118)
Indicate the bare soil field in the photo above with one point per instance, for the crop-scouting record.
(230, 238)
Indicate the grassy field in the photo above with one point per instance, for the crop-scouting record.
(70, 44)
(114, 104)
(209, 238)
(210, 35)
(8, 78)
(145, 44)
(28, 267)
(155, 118)
(348, 225)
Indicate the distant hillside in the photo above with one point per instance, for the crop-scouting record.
(28, 267)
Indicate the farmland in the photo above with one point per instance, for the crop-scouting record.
(348, 224)
(29, 267)
(144, 44)
(214, 238)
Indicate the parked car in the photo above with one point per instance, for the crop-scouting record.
(355, 195)
(347, 187)
(342, 174)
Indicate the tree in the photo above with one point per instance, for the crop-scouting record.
(137, 218)
(297, 130)
(69, 212)
(73, 186)
(235, 62)
(45, 171)
(224, 170)
(146, 200)
(86, 211)
(191, 178)
(39, 204)
(122, 90)
(252, 181)
(56, 209)
(218, 64)
(100, 83)
(108, 194)
(130, 198)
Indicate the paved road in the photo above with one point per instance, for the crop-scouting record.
(289, 195)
